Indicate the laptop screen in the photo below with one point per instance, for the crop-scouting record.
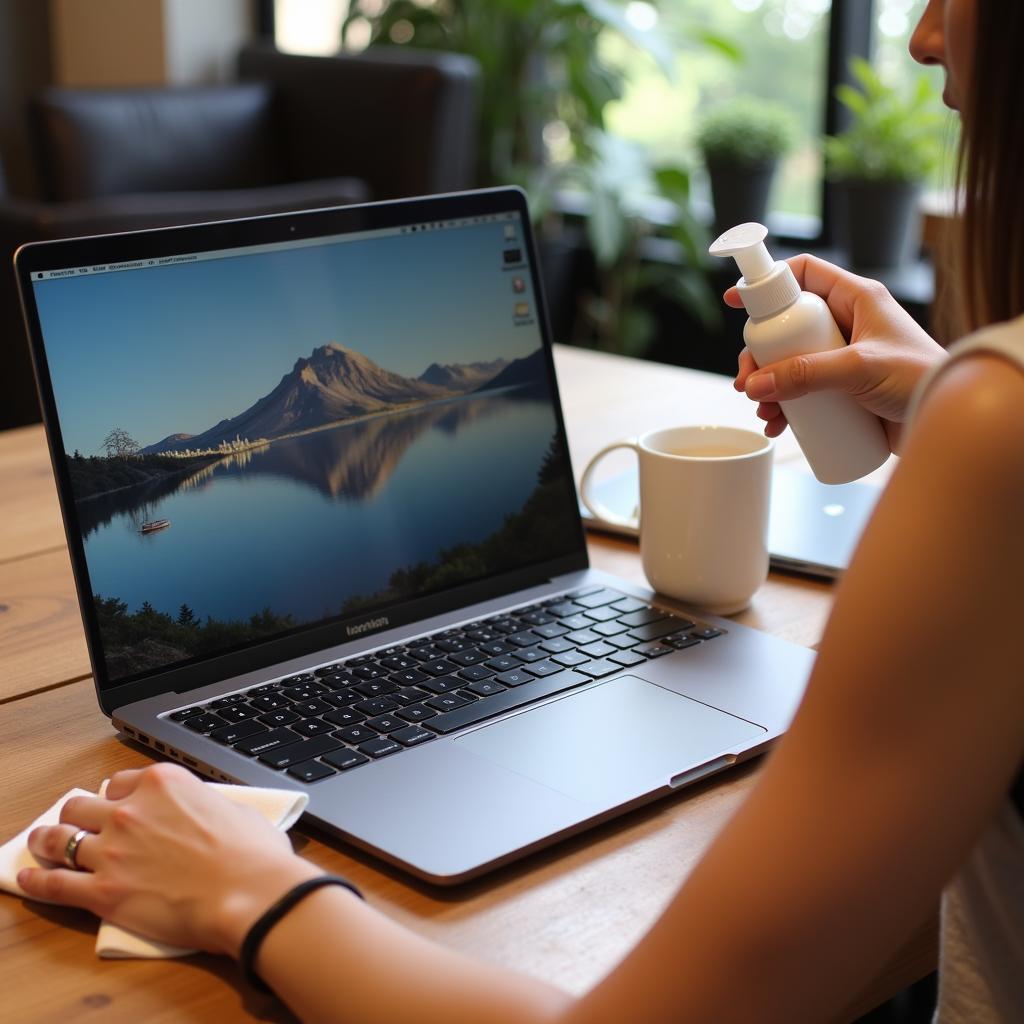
(265, 439)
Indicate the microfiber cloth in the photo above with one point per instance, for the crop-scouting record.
(280, 807)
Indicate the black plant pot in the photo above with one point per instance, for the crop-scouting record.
(878, 222)
(740, 193)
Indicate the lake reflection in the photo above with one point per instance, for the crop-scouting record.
(306, 523)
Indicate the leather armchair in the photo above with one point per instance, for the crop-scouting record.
(294, 132)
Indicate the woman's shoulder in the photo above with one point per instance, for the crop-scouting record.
(1004, 339)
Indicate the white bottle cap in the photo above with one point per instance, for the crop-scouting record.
(767, 286)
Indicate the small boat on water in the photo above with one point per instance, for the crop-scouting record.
(156, 524)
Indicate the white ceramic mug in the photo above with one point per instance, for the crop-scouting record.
(704, 499)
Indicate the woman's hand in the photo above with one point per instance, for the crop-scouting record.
(887, 355)
(168, 857)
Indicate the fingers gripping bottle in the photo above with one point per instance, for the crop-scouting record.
(841, 440)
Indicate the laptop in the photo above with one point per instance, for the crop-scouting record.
(813, 527)
(317, 493)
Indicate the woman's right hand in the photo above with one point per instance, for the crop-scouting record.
(887, 355)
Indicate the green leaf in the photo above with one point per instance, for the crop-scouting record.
(606, 227)
(649, 40)
(714, 41)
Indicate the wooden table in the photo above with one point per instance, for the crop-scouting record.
(566, 914)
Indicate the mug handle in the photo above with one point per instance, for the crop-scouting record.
(599, 510)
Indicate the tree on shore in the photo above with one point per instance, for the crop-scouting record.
(119, 444)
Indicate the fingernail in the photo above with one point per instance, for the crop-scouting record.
(23, 876)
(761, 386)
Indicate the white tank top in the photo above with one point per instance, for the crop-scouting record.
(981, 958)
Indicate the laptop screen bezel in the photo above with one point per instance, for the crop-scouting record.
(162, 242)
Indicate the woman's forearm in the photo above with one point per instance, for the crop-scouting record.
(333, 958)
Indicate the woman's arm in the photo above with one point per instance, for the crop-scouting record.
(911, 730)
(906, 742)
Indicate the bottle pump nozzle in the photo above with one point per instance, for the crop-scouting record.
(767, 287)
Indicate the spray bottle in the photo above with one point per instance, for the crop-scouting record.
(841, 440)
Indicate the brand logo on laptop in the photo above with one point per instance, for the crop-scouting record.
(365, 627)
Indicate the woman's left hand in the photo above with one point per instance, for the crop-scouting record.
(168, 857)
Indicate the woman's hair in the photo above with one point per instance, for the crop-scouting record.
(992, 168)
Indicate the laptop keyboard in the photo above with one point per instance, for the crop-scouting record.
(337, 717)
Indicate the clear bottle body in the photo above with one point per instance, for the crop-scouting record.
(840, 439)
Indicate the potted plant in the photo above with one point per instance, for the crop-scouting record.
(742, 141)
(879, 163)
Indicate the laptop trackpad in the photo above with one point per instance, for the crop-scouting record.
(613, 742)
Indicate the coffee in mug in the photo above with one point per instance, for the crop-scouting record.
(703, 522)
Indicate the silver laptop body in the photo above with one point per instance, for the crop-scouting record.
(316, 487)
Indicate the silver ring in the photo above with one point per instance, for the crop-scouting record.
(71, 849)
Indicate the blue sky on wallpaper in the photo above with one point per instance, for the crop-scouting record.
(178, 348)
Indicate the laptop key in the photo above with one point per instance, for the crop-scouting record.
(267, 741)
(380, 747)
(345, 758)
(311, 771)
(312, 727)
(328, 670)
(203, 723)
(487, 687)
(549, 632)
(516, 677)
(237, 713)
(369, 672)
(396, 663)
(557, 646)
(446, 702)
(654, 649)
(680, 642)
(570, 658)
(629, 604)
(180, 716)
(344, 716)
(376, 706)
(537, 618)
(270, 702)
(428, 652)
(451, 645)
(416, 713)
(303, 692)
(642, 617)
(562, 609)
(442, 685)
(706, 633)
(375, 687)
(525, 638)
(600, 668)
(656, 630)
(385, 723)
(438, 668)
(356, 733)
(239, 731)
(412, 735)
(598, 650)
(529, 654)
(584, 636)
(409, 677)
(310, 708)
(342, 698)
(622, 641)
(500, 702)
(407, 695)
(543, 668)
(576, 622)
(475, 672)
(496, 648)
(470, 657)
(277, 718)
(627, 658)
(602, 614)
(295, 753)
(299, 677)
(503, 663)
(607, 629)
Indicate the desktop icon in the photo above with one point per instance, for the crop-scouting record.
(522, 309)
(512, 256)
(518, 285)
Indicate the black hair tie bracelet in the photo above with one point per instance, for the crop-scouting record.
(258, 932)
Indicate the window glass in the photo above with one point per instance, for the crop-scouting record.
(783, 48)
(894, 23)
(309, 26)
